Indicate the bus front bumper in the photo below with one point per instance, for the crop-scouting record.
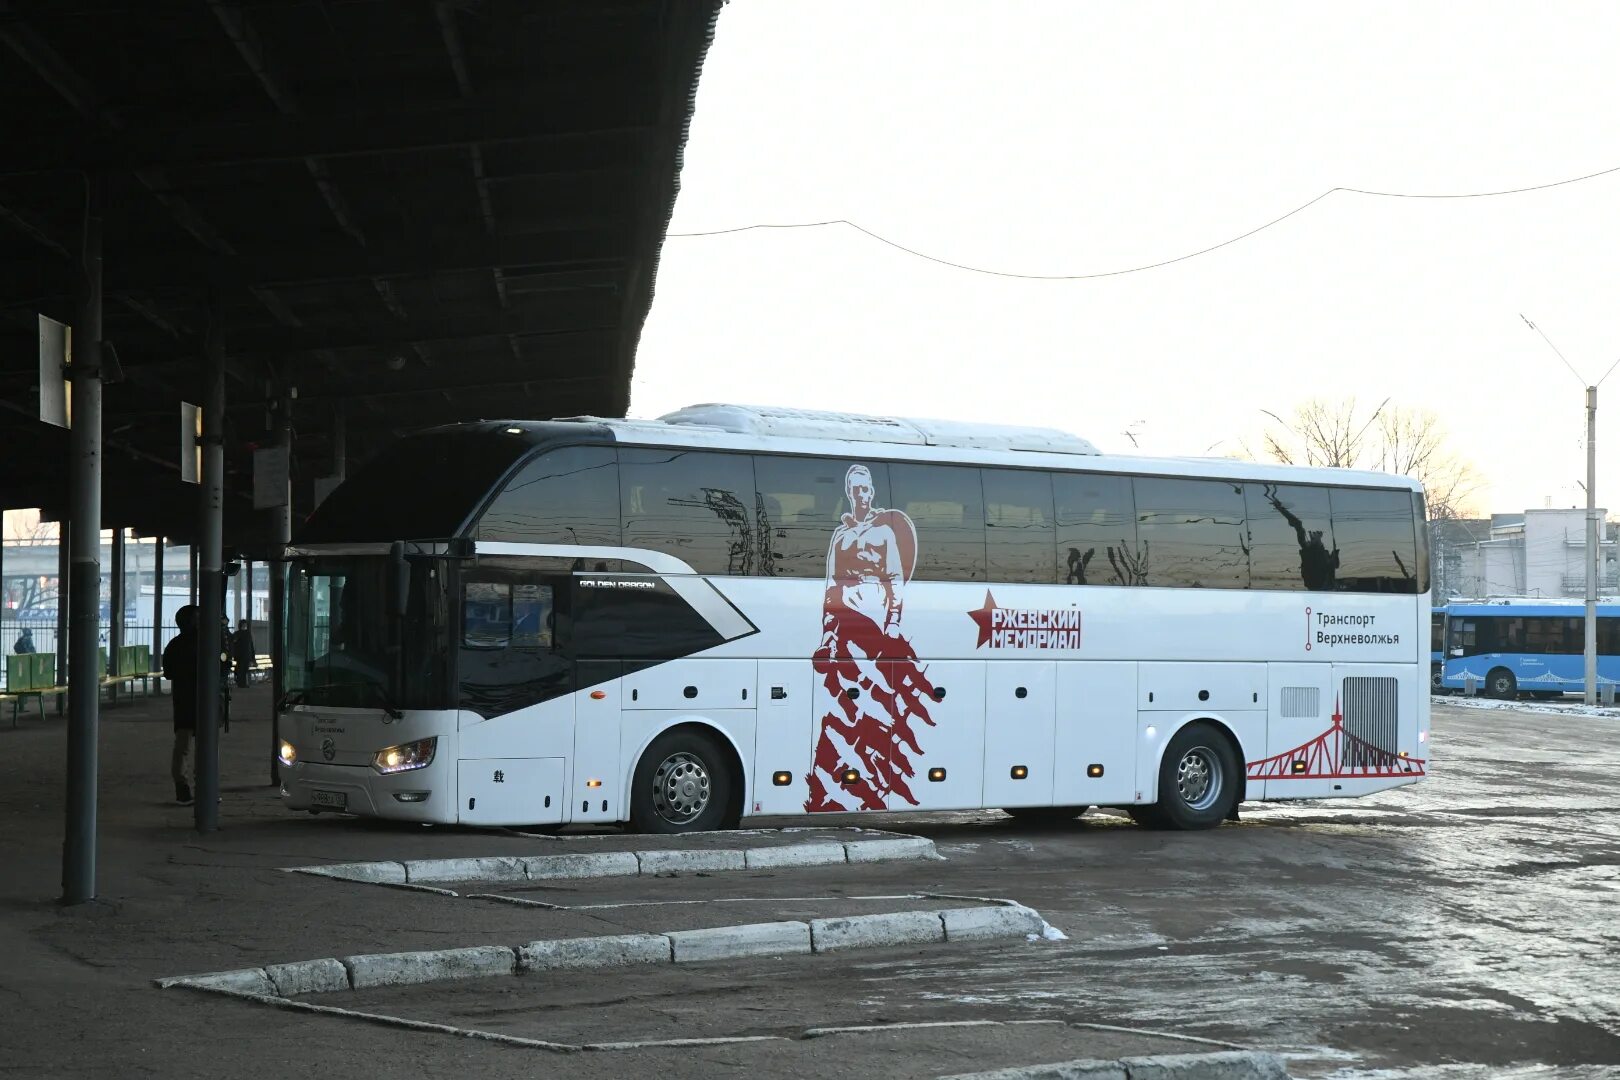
(419, 795)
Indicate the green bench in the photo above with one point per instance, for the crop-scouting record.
(30, 675)
(134, 665)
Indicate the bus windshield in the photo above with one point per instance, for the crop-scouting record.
(341, 635)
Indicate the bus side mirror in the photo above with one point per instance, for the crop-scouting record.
(399, 579)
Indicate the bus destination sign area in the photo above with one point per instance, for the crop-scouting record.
(1325, 629)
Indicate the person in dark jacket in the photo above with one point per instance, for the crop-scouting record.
(180, 668)
(242, 651)
(25, 643)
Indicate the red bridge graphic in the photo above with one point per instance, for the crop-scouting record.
(1335, 754)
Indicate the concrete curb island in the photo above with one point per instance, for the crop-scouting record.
(1223, 1065)
(510, 868)
(366, 971)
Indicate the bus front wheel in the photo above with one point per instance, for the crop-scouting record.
(1198, 780)
(1500, 683)
(683, 783)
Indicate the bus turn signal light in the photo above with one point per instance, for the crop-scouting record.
(850, 776)
(781, 779)
(598, 695)
(936, 775)
(1094, 771)
(1299, 766)
(593, 783)
(1020, 772)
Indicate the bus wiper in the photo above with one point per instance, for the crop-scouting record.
(388, 705)
(297, 697)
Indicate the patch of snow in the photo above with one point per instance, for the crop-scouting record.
(1546, 708)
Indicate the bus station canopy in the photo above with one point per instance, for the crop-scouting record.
(402, 213)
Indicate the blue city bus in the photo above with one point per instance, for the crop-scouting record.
(1514, 647)
(1437, 651)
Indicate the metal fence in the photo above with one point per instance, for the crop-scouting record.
(43, 639)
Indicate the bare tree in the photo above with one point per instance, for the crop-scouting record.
(23, 528)
(1325, 434)
(1392, 438)
(1413, 442)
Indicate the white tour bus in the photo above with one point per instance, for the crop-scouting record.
(741, 611)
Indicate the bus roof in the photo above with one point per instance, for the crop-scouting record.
(784, 423)
(1518, 606)
(461, 465)
(803, 431)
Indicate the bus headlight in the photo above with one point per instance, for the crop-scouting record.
(287, 753)
(406, 756)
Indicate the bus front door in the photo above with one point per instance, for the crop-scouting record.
(784, 740)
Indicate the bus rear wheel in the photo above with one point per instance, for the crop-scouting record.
(683, 783)
(1044, 815)
(1198, 780)
(1500, 683)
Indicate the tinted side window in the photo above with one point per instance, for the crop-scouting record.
(637, 624)
(1376, 539)
(1290, 537)
(1421, 513)
(1018, 525)
(1096, 530)
(697, 506)
(799, 503)
(1608, 636)
(510, 655)
(383, 499)
(1192, 532)
(565, 496)
(1551, 634)
(946, 506)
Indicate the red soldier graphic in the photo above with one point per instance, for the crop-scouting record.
(875, 688)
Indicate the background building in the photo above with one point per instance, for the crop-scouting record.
(1537, 553)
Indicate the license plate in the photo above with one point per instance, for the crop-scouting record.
(337, 800)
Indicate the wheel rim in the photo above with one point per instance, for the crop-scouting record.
(1503, 684)
(1199, 778)
(680, 788)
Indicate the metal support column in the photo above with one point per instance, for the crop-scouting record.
(281, 536)
(64, 590)
(211, 577)
(115, 608)
(157, 605)
(191, 551)
(84, 497)
(1592, 545)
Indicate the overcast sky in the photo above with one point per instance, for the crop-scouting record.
(1077, 138)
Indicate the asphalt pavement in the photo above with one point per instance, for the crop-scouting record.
(1465, 926)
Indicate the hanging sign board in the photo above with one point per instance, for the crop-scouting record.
(270, 477)
(55, 344)
(190, 443)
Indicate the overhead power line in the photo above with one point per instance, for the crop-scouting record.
(1164, 262)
